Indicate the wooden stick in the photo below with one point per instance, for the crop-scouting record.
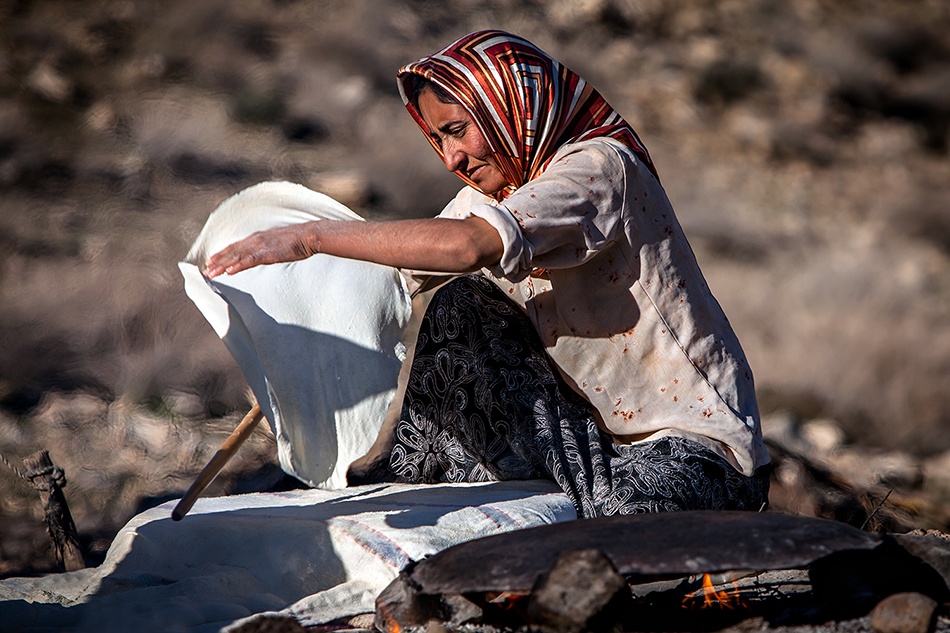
(48, 479)
(220, 458)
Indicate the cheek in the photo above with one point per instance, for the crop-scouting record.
(481, 150)
(487, 155)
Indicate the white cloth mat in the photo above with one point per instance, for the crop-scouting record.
(315, 554)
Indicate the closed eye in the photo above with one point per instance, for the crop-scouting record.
(454, 128)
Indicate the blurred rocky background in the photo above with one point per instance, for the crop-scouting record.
(804, 145)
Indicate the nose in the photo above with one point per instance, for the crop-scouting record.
(452, 156)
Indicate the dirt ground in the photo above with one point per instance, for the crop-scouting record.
(804, 145)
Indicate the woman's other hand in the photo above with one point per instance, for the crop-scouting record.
(282, 244)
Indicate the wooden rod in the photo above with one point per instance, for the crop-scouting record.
(220, 458)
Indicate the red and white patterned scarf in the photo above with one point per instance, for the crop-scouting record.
(525, 102)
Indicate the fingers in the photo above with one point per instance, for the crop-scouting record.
(233, 259)
(264, 247)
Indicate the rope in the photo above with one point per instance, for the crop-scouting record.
(13, 468)
(50, 474)
(45, 478)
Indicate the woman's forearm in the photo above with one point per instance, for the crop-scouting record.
(437, 244)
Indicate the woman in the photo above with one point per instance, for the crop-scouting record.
(590, 350)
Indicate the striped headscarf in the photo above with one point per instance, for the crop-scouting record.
(526, 103)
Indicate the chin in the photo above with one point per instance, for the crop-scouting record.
(490, 189)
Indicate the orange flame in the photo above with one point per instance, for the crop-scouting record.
(507, 600)
(711, 597)
(389, 621)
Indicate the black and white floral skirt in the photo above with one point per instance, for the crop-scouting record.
(484, 403)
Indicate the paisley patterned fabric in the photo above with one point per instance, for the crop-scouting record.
(526, 103)
(484, 403)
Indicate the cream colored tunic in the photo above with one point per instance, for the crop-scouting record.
(621, 304)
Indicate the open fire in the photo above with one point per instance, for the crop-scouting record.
(643, 573)
(708, 597)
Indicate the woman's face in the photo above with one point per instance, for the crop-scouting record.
(464, 148)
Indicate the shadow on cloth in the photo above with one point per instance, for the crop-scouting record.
(331, 377)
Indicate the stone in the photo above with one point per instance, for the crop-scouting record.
(270, 624)
(576, 591)
(932, 550)
(457, 609)
(904, 613)
(401, 604)
(49, 83)
(365, 621)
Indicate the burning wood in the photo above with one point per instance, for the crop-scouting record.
(591, 574)
(709, 597)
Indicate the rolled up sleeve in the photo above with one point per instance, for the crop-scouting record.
(562, 218)
(515, 262)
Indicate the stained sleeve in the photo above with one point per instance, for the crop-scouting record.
(565, 216)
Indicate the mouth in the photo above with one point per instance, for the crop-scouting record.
(472, 173)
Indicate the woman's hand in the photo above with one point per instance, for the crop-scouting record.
(282, 244)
